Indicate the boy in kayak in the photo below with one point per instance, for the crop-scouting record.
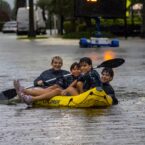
(107, 75)
(54, 72)
(48, 93)
(40, 85)
(90, 78)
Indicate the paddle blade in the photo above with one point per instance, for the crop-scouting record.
(112, 63)
(8, 94)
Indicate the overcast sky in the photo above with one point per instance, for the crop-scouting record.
(11, 2)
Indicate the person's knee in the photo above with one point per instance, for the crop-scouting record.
(69, 89)
(79, 84)
(56, 86)
(27, 91)
(58, 90)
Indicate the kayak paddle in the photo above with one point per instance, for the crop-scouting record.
(11, 93)
(112, 63)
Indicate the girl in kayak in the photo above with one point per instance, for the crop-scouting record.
(48, 93)
(107, 75)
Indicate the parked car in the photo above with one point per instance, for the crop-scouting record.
(10, 26)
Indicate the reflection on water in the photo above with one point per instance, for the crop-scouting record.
(109, 54)
(74, 126)
(118, 125)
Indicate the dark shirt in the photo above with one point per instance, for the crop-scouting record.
(50, 74)
(71, 79)
(110, 91)
(64, 82)
(90, 80)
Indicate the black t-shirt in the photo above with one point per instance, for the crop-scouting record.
(90, 80)
(110, 91)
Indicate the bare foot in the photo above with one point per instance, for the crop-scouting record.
(27, 99)
(19, 88)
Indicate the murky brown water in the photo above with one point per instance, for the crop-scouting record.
(123, 124)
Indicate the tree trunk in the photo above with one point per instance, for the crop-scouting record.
(60, 25)
(143, 21)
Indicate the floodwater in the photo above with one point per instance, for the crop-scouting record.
(123, 124)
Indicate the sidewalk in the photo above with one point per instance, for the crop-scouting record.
(52, 40)
(58, 41)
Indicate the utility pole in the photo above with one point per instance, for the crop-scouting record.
(143, 21)
(32, 32)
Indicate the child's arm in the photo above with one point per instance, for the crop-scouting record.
(67, 90)
(73, 84)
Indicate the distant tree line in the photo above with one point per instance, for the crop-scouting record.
(5, 11)
(64, 11)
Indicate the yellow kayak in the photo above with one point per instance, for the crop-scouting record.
(90, 98)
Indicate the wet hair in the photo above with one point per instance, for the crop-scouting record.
(109, 71)
(58, 58)
(86, 60)
(75, 64)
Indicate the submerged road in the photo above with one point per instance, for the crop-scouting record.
(123, 124)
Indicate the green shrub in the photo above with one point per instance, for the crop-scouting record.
(77, 35)
(69, 27)
(81, 27)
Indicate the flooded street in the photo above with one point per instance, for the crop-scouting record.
(123, 124)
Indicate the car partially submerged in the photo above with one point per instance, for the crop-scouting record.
(10, 26)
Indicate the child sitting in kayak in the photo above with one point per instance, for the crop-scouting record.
(49, 92)
(106, 77)
(90, 78)
(40, 85)
(55, 71)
